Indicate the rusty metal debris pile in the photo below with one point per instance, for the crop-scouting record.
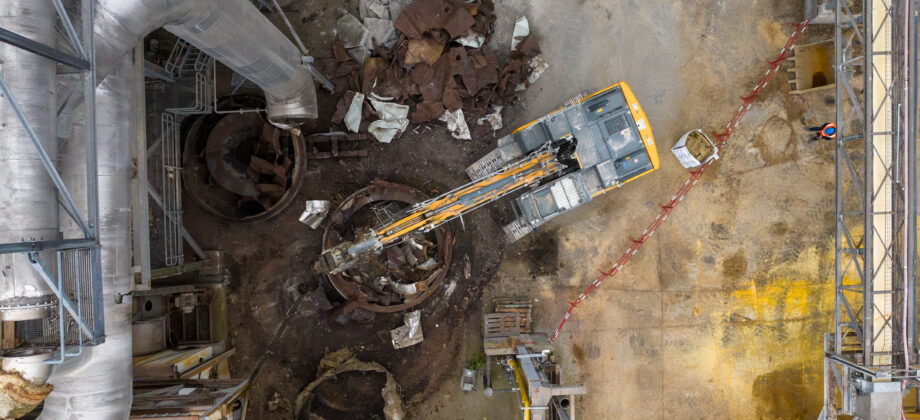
(403, 275)
(436, 64)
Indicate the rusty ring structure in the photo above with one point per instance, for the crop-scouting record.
(382, 191)
(297, 176)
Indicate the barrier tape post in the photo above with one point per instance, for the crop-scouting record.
(666, 210)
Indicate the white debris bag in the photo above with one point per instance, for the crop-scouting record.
(694, 148)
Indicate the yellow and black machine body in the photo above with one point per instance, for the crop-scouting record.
(613, 146)
(564, 159)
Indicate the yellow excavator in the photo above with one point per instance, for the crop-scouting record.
(564, 159)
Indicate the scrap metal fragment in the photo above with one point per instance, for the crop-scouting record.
(494, 119)
(425, 49)
(351, 31)
(409, 334)
(353, 116)
(427, 111)
(425, 15)
(392, 122)
(471, 39)
(428, 264)
(314, 213)
(521, 31)
(456, 124)
(381, 32)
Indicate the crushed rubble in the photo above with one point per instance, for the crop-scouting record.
(431, 56)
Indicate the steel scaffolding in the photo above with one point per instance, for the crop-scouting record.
(871, 356)
(77, 282)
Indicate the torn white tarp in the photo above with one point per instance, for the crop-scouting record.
(471, 39)
(494, 119)
(315, 213)
(353, 116)
(410, 333)
(393, 119)
(521, 30)
(456, 124)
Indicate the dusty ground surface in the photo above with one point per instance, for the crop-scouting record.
(721, 314)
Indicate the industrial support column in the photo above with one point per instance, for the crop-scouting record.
(879, 205)
(870, 359)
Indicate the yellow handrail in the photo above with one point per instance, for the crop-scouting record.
(525, 400)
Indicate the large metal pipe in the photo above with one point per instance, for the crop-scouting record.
(97, 384)
(232, 31)
(28, 198)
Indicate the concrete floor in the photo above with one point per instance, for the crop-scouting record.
(722, 313)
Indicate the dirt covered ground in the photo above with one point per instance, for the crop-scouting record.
(721, 315)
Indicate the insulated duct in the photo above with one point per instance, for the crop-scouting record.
(97, 384)
(28, 198)
(234, 32)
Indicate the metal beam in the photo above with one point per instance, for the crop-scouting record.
(72, 37)
(188, 237)
(140, 207)
(155, 71)
(35, 246)
(43, 50)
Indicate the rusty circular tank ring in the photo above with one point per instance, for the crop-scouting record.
(197, 132)
(382, 191)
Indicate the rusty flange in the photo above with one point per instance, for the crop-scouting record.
(361, 294)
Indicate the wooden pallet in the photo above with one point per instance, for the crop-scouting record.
(501, 325)
(523, 307)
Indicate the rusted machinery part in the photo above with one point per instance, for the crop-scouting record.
(193, 182)
(222, 151)
(381, 190)
(19, 396)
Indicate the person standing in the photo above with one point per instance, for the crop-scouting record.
(828, 132)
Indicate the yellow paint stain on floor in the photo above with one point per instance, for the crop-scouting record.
(775, 350)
